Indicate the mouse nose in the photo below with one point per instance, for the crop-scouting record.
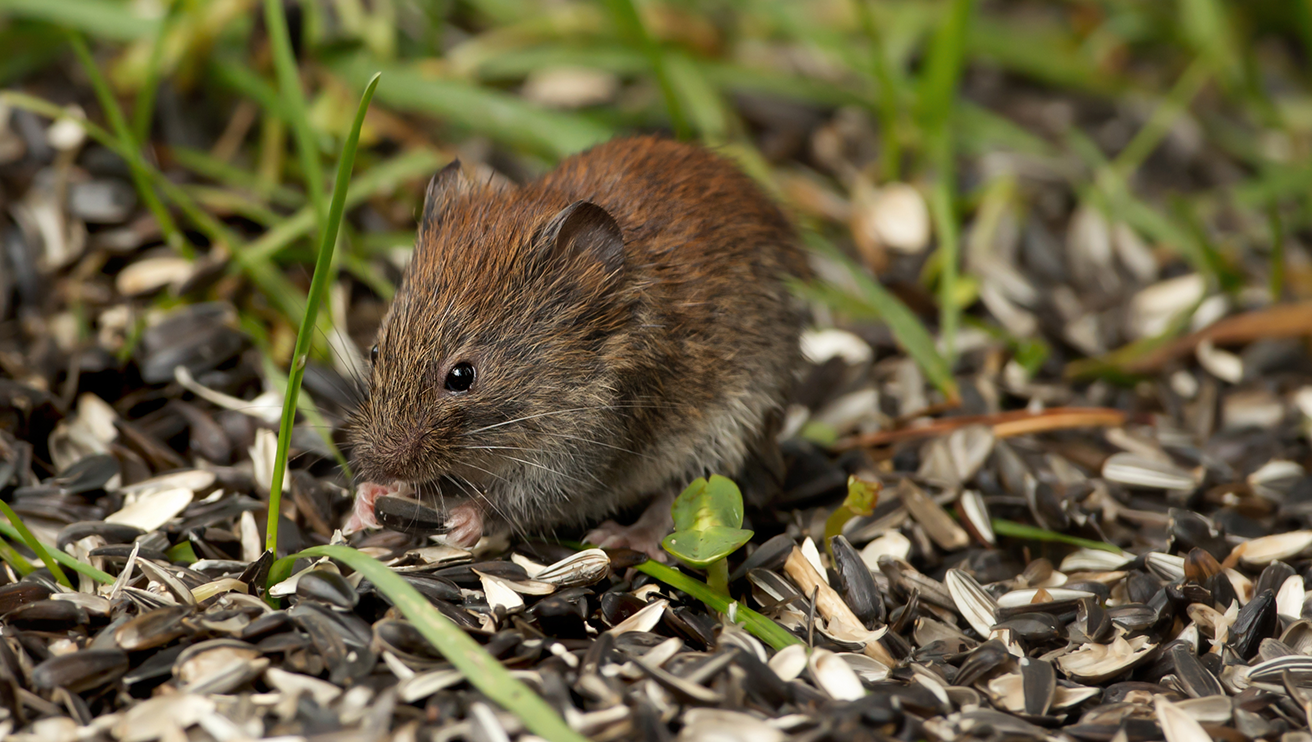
(396, 457)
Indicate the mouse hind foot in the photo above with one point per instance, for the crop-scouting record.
(644, 535)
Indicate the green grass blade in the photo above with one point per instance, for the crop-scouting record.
(886, 96)
(704, 103)
(144, 110)
(937, 93)
(760, 626)
(378, 179)
(36, 546)
(479, 668)
(1162, 119)
(119, 125)
(318, 284)
(938, 87)
(15, 560)
(240, 79)
(104, 20)
(626, 18)
(67, 560)
(289, 83)
(201, 163)
(1013, 529)
(503, 117)
(874, 301)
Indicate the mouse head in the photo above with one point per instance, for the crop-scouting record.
(495, 357)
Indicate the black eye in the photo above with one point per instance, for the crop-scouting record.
(373, 354)
(460, 377)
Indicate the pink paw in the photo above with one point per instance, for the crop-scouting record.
(362, 513)
(466, 524)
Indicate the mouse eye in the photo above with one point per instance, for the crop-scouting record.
(373, 354)
(460, 377)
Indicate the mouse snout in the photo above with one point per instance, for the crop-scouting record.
(401, 454)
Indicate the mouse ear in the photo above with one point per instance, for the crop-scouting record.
(584, 228)
(448, 182)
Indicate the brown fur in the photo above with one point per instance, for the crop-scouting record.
(604, 375)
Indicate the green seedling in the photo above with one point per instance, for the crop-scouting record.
(862, 496)
(708, 519)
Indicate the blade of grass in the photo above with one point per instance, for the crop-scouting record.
(289, 83)
(114, 21)
(235, 177)
(760, 626)
(237, 77)
(278, 380)
(503, 117)
(875, 301)
(15, 560)
(705, 107)
(119, 125)
(630, 26)
(318, 284)
(480, 669)
(1040, 51)
(945, 224)
(67, 560)
(144, 110)
(377, 180)
(29, 47)
(937, 93)
(36, 546)
(886, 97)
(1013, 529)
(1162, 119)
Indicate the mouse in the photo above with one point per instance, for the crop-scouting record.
(565, 351)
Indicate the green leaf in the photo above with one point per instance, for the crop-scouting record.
(703, 504)
(480, 669)
(708, 516)
(702, 548)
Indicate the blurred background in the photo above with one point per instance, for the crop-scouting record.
(1011, 204)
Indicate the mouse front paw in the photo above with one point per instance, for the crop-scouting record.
(466, 524)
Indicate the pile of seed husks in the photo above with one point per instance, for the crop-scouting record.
(136, 432)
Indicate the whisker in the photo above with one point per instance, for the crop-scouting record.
(549, 413)
(544, 467)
